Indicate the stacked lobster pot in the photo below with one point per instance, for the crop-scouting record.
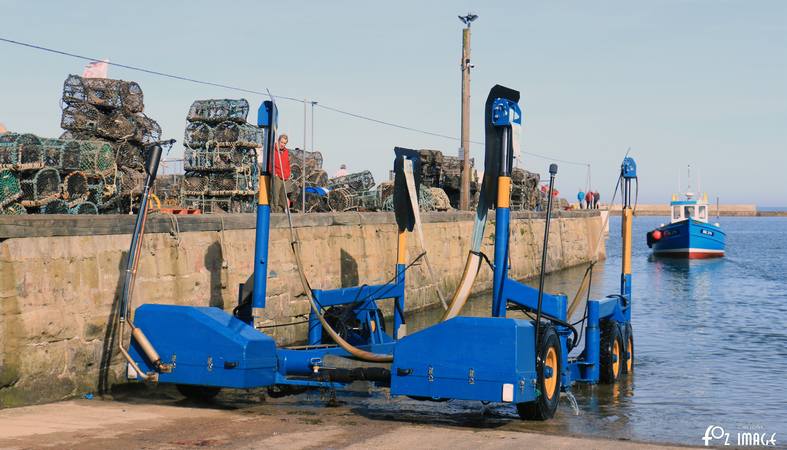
(53, 176)
(104, 116)
(451, 180)
(316, 182)
(429, 198)
(441, 182)
(353, 192)
(525, 193)
(96, 165)
(220, 157)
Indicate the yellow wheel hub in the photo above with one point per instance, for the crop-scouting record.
(615, 358)
(551, 383)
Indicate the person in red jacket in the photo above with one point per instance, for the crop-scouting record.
(589, 199)
(281, 173)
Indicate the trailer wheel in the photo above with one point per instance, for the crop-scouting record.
(548, 369)
(612, 351)
(201, 394)
(628, 367)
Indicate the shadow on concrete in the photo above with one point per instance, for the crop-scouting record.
(110, 335)
(213, 258)
(459, 414)
(349, 270)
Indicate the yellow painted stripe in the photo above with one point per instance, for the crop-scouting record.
(264, 186)
(627, 219)
(503, 192)
(401, 254)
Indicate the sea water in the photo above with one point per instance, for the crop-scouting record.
(710, 342)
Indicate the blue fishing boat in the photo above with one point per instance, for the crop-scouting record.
(689, 234)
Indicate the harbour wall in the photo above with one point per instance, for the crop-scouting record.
(664, 210)
(61, 277)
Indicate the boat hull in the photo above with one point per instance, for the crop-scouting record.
(690, 239)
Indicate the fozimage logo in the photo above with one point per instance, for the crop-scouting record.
(753, 436)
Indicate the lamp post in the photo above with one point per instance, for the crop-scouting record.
(464, 194)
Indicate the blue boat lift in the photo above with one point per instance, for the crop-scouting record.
(523, 361)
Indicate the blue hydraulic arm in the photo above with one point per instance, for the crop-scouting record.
(628, 172)
(506, 120)
(614, 307)
(267, 118)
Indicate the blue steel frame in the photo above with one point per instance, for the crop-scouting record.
(194, 325)
(365, 297)
(295, 364)
(367, 311)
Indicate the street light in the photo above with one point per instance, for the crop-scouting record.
(468, 18)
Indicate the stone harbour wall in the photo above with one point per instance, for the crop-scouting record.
(60, 278)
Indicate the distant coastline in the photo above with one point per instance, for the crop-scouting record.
(740, 210)
(772, 208)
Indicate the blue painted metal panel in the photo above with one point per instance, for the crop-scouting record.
(506, 112)
(267, 114)
(589, 369)
(606, 306)
(300, 361)
(683, 202)
(399, 301)
(500, 276)
(207, 347)
(564, 334)
(343, 296)
(261, 256)
(629, 168)
(626, 281)
(468, 358)
(553, 305)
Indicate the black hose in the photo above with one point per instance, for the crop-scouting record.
(151, 167)
(552, 173)
(379, 375)
(568, 325)
(483, 256)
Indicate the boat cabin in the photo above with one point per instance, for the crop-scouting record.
(689, 208)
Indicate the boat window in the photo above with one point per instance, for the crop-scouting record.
(703, 213)
(675, 212)
(689, 211)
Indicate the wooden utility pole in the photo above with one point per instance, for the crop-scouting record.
(303, 163)
(464, 194)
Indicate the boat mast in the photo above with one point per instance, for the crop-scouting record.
(679, 191)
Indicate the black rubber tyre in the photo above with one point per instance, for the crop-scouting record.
(548, 355)
(202, 394)
(344, 322)
(628, 356)
(612, 350)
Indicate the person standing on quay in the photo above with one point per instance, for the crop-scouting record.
(589, 199)
(281, 173)
(596, 197)
(581, 198)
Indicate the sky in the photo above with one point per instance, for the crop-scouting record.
(678, 82)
